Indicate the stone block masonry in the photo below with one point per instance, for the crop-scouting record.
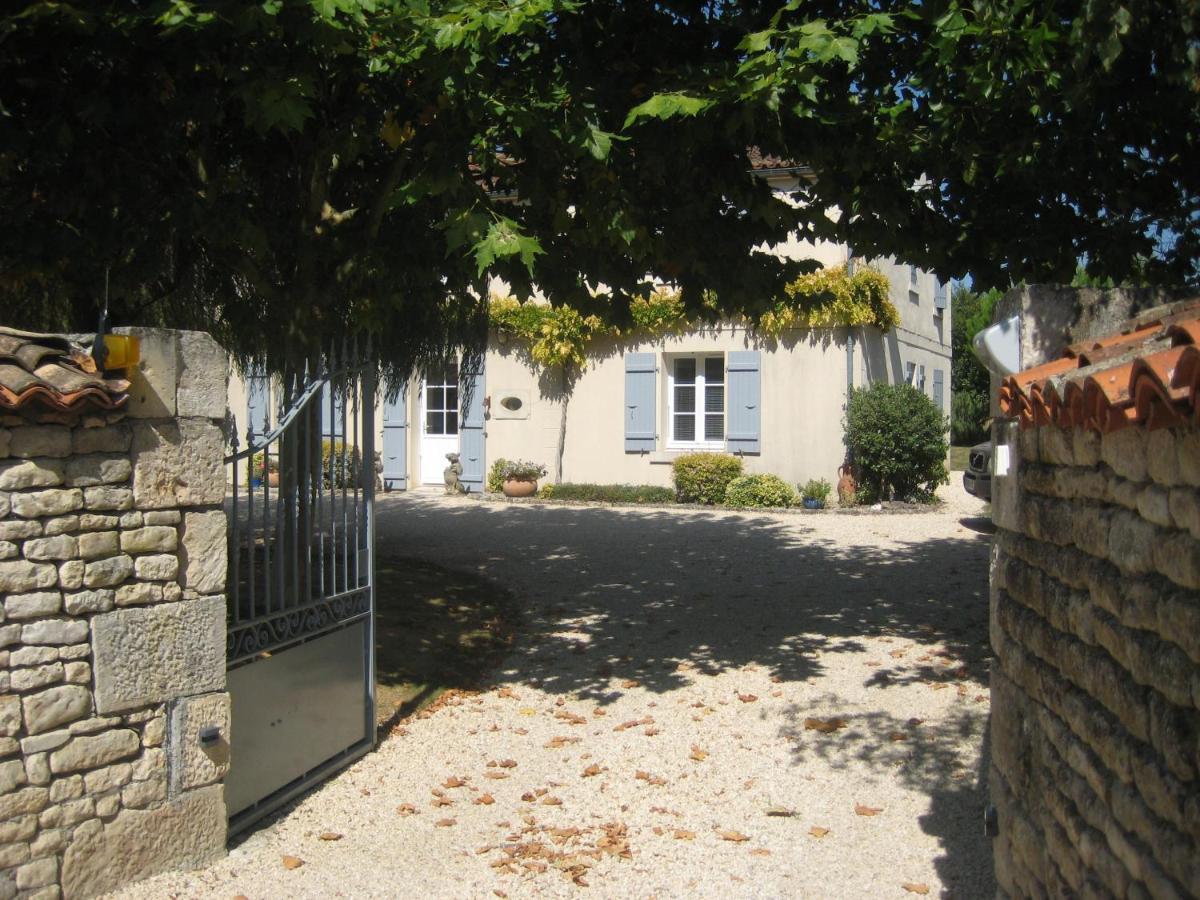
(112, 629)
(1095, 623)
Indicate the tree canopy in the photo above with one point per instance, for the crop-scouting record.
(288, 172)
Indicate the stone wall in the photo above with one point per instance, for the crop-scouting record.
(1095, 623)
(112, 632)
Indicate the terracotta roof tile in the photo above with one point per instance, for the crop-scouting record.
(1146, 374)
(46, 373)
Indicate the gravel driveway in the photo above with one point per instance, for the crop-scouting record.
(702, 704)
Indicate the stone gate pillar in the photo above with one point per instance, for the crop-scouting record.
(112, 573)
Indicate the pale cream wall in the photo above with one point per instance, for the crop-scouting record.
(803, 384)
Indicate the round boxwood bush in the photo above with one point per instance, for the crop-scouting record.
(703, 477)
(759, 490)
(896, 437)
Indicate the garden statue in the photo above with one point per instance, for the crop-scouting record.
(452, 475)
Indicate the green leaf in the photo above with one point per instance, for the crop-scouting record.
(504, 239)
(665, 106)
(599, 142)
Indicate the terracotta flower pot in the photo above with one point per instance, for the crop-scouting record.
(273, 479)
(520, 487)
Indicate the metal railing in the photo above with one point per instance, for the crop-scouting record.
(299, 503)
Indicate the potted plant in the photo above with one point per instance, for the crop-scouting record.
(521, 477)
(255, 472)
(815, 493)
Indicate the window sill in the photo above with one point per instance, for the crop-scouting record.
(668, 456)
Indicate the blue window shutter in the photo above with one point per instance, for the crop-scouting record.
(640, 417)
(258, 390)
(938, 382)
(745, 402)
(395, 441)
(471, 434)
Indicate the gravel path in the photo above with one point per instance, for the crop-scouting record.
(702, 704)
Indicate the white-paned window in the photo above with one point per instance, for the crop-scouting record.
(696, 401)
(921, 379)
(910, 373)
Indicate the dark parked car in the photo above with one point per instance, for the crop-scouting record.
(977, 479)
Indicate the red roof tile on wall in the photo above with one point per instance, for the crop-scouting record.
(1147, 374)
(42, 373)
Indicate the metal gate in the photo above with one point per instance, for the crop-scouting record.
(300, 643)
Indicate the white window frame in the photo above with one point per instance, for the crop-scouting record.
(669, 364)
(910, 374)
(921, 379)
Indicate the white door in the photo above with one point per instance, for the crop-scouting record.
(439, 422)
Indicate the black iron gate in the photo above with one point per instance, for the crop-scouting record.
(300, 638)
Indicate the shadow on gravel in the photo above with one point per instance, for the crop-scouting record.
(631, 595)
(923, 757)
(622, 594)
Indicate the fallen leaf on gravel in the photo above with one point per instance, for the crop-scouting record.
(527, 711)
(897, 736)
(747, 698)
(939, 685)
(657, 829)
(825, 726)
(634, 723)
(445, 823)
(406, 809)
(557, 743)
(776, 693)
(439, 802)
(507, 693)
(562, 835)
(697, 754)
(760, 851)
(775, 679)
(915, 888)
(495, 776)
(781, 811)
(571, 718)
(913, 723)
(454, 782)
(593, 769)
(484, 800)
(861, 810)
(615, 840)
(499, 893)
(735, 836)
(629, 683)
(646, 776)
(872, 662)
(598, 712)
(682, 834)
(292, 862)
(330, 836)
(508, 763)
(551, 801)
(818, 832)
(240, 897)
(896, 654)
(651, 731)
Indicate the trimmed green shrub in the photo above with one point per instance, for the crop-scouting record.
(704, 477)
(609, 493)
(816, 489)
(339, 465)
(759, 490)
(495, 476)
(896, 436)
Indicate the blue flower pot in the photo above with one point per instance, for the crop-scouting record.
(810, 503)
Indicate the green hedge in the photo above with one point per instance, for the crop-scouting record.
(896, 437)
(704, 477)
(608, 493)
(759, 490)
